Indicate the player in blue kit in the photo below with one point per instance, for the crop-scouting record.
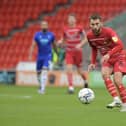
(45, 41)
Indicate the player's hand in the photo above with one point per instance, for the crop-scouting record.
(91, 67)
(79, 46)
(59, 43)
(105, 58)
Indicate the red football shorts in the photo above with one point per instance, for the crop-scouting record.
(74, 58)
(118, 63)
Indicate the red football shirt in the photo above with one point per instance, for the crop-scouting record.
(72, 37)
(106, 42)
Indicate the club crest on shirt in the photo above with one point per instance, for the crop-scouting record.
(115, 39)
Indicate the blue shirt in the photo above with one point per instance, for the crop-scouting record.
(44, 42)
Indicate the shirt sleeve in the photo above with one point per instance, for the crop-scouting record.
(113, 36)
(93, 52)
(116, 42)
(93, 55)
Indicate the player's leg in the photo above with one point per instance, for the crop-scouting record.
(69, 67)
(82, 74)
(70, 78)
(78, 61)
(121, 89)
(106, 73)
(39, 66)
(44, 73)
(44, 77)
(39, 77)
(119, 70)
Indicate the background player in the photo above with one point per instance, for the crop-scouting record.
(74, 39)
(106, 41)
(44, 40)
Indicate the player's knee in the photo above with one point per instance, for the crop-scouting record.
(106, 72)
(79, 71)
(69, 70)
(105, 75)
(117, 80)
(44, 72)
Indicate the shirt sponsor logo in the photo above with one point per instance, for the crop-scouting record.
(97, 39)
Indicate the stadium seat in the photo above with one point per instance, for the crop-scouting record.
(16, 13)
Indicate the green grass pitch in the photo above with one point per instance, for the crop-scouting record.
(23, 106)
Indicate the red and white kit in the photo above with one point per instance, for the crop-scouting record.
(72, 38)
(108, 43)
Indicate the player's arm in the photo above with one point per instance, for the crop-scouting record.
(93, 58)
(93, 55)
(117, 43)
(61, 42)
(83, 40)
(116, 48)
(31, 50)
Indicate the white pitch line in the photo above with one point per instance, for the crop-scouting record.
(16, 96)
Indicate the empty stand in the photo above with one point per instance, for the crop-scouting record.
(16, 13)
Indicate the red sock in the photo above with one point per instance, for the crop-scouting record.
(122, 92)
(70, 80)
(111, 87)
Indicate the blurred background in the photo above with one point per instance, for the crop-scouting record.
(20, 19)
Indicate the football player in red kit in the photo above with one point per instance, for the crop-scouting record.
(113, 60)
(74, 39)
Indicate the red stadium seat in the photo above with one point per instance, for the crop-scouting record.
(16, 12)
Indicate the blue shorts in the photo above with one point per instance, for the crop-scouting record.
(43, 62)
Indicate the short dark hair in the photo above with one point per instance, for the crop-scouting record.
(72, 14)
(95, 16)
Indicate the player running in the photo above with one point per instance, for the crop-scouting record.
(44, 40)
(74, 39)
(107, 42)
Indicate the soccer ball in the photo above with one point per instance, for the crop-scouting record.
(86, 95)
